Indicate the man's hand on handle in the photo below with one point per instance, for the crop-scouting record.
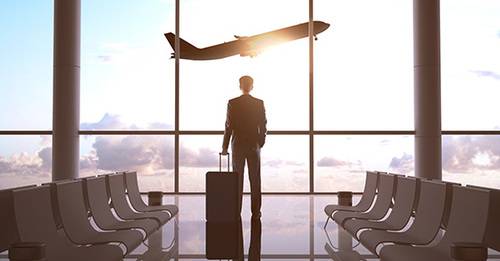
(224, 152)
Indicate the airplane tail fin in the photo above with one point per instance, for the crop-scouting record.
(184, 46)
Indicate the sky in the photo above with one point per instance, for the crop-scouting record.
(363, 81)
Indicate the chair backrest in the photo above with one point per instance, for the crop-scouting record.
(97, 198)
(369, 191)
(9, 233)
(468, 217)
(417, 194)
(55, 204)
(134, 195)
(34, 215)
(72, 208)
(429, 211)
(116, 188)
(449, 199)
(8, 228)
(492, 238)
(385, 193)
(404, 197)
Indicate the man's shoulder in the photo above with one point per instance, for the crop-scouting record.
(245, 99)
(234, 99)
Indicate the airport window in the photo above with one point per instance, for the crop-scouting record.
(359, 118)
(363, 68)
(152, 156)
(470, 65)
(341, 161)
(472, 159)
(25, 160)
(197, 154)
(207, 85)
(127, 77)
(26, 65)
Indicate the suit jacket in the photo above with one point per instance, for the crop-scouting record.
(245, 122)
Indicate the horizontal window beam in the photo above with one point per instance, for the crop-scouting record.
(272, 132)
(263, 193)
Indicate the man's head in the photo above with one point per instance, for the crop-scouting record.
(246, 84)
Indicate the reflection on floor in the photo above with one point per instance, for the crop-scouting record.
(291, 229)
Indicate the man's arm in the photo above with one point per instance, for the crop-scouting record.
(262, 125)
(228, 130)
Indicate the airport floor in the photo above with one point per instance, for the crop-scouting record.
(291, 228)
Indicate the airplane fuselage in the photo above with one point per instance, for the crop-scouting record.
(252, 45)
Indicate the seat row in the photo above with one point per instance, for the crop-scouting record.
(94, 218)
(407, 218)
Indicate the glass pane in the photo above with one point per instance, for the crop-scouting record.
(197, 155)
(26, 64)
(25, 160)
(282, 169)
(285, 164)
(472, 160)
(127, 76)
(342, 161)
(364, 65)
(151, 156)
(470, 59)
(280, 73)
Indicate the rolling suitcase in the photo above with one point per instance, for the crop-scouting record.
(222, 195)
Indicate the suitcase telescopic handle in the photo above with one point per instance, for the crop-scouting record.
(220, 162)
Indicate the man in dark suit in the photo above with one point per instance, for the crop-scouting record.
(246, 123)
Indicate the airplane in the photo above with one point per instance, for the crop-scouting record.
(245, 45)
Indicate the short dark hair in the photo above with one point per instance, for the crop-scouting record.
(246, 80)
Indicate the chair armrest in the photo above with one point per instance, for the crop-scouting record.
(24, 251)
(465, 251)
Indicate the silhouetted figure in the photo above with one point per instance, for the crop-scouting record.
(246, 123)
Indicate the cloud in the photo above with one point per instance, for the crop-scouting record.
(490, 74)
(23, 164)
(146, 154)
(105, 58)
(45, 154)
(403, 164)
(332, 162)
(275, 163)
(114, 122)
(204, 157)
(108, 121)
(465, 154)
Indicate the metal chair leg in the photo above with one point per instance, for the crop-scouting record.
(326, 223)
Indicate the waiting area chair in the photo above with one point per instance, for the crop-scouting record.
(98, 200)
(467, 223)
(426, 220)
(366, 200)
(35, 223)
(400, 214)
(380, 206)
(82, 219)
(135, 198)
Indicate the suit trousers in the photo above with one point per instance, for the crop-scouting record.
(251, 155)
